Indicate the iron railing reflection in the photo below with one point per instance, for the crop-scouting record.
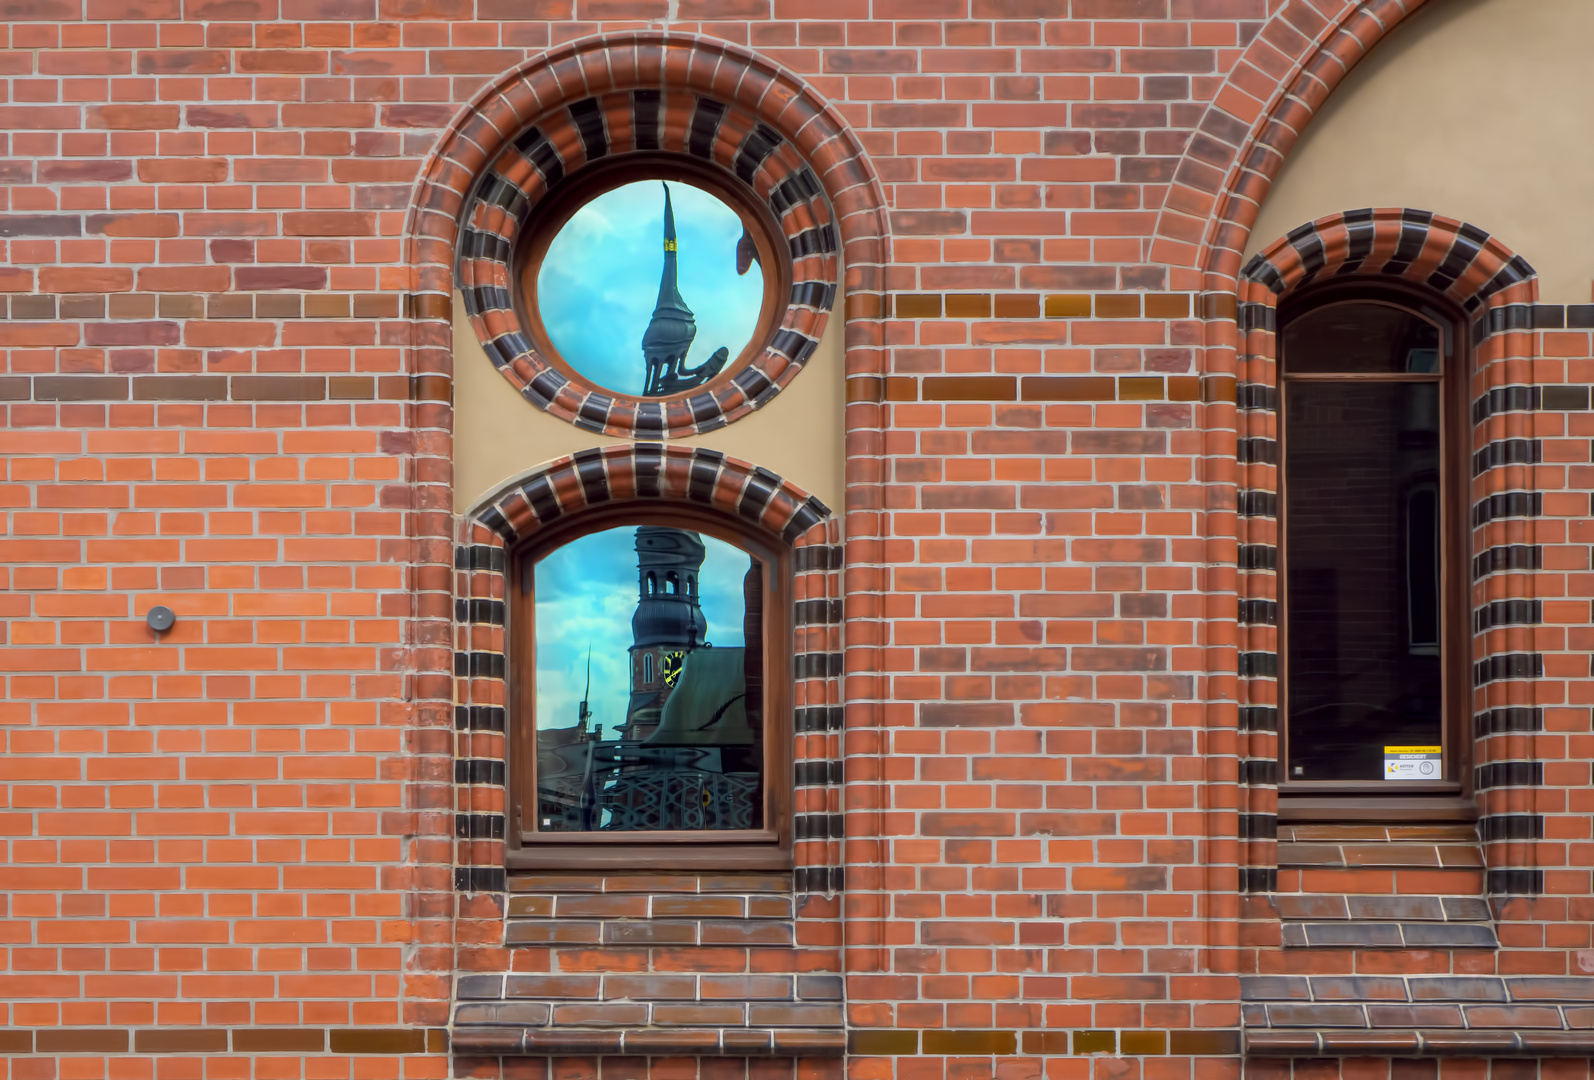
(632, 786)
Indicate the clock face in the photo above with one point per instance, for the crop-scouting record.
(672, 663)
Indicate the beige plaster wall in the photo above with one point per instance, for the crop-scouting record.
(498, 435)
(1479, 110)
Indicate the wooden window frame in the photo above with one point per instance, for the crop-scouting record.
(1450, 798)
(769, 848)
(551, 215)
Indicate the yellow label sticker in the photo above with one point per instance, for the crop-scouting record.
(1413, 763)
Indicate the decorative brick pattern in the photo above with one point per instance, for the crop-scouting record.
(231, 233)
(642, 472)
(1464, 264)
(641, 111)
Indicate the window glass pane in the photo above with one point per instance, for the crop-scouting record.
(651, 289)
(1361, 338)
(649, 683)
(1361, 490)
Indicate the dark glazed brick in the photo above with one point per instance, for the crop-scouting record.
(882, 1042)
(1094, 1042)
(1203, 1043)
(703, 907)
(1565, 398)
(480, 986)
(742, 932)
(968, 1042)
(367, 1041)
(1455, 935)
(33, 307)
(700, 1015)
(1457, 988)
(267, 1040)
(650, 932)
(351, 387)
(649, 987)
(1465, 908)
(600, 906)
(553, 932)
(1552, 988)
(747, 987)
(820, 987)
(180, 1041)
(1412, 1016)
(1311, 906)
(1513, 1016)
(1395, 907)
(1357, 988)
(279, 388)
(1316, 1015)
(16, 1042)
(525, 1013)
(607, 1014)
(79, 388)
(1274, 988)
(80, 1041)
(1143, 1042)
(769, 1014)
(969, 388)
(15, 388)
(1369, 935)
(180, 388)
(552, 986)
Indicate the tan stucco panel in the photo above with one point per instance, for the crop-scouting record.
(1474, 109)
(498, 435)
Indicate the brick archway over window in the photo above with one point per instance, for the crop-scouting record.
(1496, 289)
(641, 473)
(493, 117)
(1237, 149)
(801, 134)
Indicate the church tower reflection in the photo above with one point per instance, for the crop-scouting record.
(673, 328)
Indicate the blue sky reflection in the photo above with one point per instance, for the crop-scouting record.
(586, 594)
(600, 279)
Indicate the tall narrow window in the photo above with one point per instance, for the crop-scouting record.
(1372, 564)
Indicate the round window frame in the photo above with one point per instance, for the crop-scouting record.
(553, 213)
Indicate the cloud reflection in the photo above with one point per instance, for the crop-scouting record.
(599, 281)
(586, 594)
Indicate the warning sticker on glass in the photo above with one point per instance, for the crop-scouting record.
(1412, 763)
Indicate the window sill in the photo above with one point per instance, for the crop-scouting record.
(660, 857)
(1356, 806)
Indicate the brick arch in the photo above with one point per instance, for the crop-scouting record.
(1495, 288)
(644, 473)
(772, 131)
(1271, 94)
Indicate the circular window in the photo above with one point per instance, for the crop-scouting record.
(652, 286)
(647, 265)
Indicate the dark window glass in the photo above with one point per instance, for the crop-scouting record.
(649, 702)
(1361, 337)
(1362, 558)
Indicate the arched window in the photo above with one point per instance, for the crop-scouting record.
(637, 735)
(1373, 577)
(653, 584)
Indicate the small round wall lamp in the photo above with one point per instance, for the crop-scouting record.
(160, 618)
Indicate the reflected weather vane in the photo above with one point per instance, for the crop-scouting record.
(673, 327)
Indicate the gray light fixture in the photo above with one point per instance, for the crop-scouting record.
(160, 618)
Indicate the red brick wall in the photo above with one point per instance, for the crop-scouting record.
(219, 375)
